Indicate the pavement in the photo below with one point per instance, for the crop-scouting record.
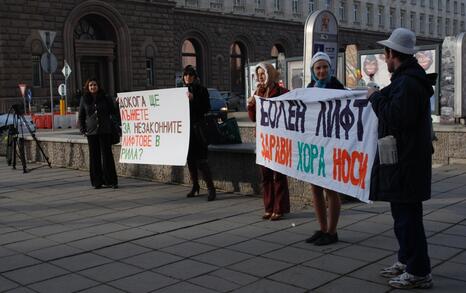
(57, 234)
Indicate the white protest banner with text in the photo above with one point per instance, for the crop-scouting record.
(323, 136)
(155, 127)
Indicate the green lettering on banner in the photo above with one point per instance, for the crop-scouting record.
(300, 156)
(307, 153)
(126, 128)
(157, 140)
(154, 100)
(131, 154)
(321, 171)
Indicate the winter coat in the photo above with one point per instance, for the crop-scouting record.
(199, 105)
(96, 114)
(333, 84)
(403, 110)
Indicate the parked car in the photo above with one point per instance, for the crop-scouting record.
(233, 100)
(8, 119)
(217, 104)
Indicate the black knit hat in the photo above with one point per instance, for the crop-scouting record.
(189, 70)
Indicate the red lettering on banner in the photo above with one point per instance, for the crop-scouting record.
(344, 165)
(134, 114)
(282, 147)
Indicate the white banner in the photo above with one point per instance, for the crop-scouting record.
(155, 126)
(323, 136)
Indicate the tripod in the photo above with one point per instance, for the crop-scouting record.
(15, 139)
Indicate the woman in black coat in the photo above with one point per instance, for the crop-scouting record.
(96, 110)
(199, 105)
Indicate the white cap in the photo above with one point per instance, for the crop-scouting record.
(320, 56)
(401, 40)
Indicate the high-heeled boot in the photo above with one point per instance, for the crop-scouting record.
(192, 167)
(204, 167)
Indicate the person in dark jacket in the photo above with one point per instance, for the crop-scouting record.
(321, 77)
(199, 105)
(402, 168)
(96, 111)
(274, 184)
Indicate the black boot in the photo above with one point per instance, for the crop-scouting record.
(194, 190)
(204, 167)
(192, 167)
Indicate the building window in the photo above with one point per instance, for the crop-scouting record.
(188, 54)
(423, 3)
(216, 4)
(402, 18)
(440, 5)
(295, 6)
(356, 12)
(36, 71)
(422, 23)
(413, 2)
(369, 14)
(312, 5)
(342, 11)
(455, 27)
(329, 4)
(237, 61)
(276, 5)
(150, 71)
(431, 24)
(447, 27)
(392, 17)
(462, 8)
(439, 26)
(413, 21)
(380, 16)
(462, 26)
(431, 4)
(455, 7)
(258, 4)
(447, 8)
(192, 3)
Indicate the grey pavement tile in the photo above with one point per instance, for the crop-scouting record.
(292, 255)
(362, 253)
(191, 233)
(445, 217)
(251, 231)
(221, 225)
(435, 226)
(109, 272)
(385, 219)
(135, 221)
(255, 247)
(70, 236)
(69, 283)
(6, 284)
(16, 261)
(102, 289)
(49, 230)
(185, 269)
(20, 290)
(352, 285)
(163, 226)
(260, 266)
(130, 234)
(106, 228)
(54, 252)
(6, 252)
(151, 260)
(442, 252)
(451, 270)
(322, 249)
(441, 285)
(335, 264)
(268, 286)
(159, 241)
(369, 227)
(188, 249)
(304, 277)
(371, 272)
(215, 283)
(14, 237)
(120, 251)
(93, 243)
(222, 239)
(143, 282)
(283, 237)
(461, 258)
(185, 287)
(459, 230)
(31, 244)
(234, 277)
(35, 273)
(380, 241)
(448, 240)
(5, 229)
(222, 257)
(352, 236)
(81, 262)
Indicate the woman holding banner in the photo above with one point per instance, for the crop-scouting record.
(95, 112)
(274, 184)
(321, 77)
(199, 105)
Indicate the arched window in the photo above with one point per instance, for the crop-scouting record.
(150, 55)
(191, 55)
(277, 49)
(237, 61)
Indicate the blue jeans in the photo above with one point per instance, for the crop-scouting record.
(409, 230)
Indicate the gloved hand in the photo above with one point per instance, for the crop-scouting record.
(83, 131)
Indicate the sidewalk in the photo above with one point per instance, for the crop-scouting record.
(57, 234)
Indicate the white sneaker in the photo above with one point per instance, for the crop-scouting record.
(395, 270)
(408, 281)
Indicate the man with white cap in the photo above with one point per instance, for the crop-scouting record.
(402, 169)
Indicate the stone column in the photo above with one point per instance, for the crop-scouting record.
(111, 76)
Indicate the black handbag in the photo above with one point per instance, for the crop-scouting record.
(116, 130)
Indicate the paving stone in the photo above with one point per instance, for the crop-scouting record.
(20, 290)
(120, 251)
(130, 234)
(185, 288)
(283, 237)
(151, 259)
(192, 233)
(93, 243)
(102, 289)
(304, 277)
(380, 241)
(335, 264)
(188, 249)
(222, 239)
(352, 236)
(369, 227)
(255, 247)
(6, 252)
(70, 236)
(452, 270)
(109, 272)
(269, 286)
(31, 244)
(69, 283)
(222, 257)
(445, 217)
(351, 285)
(16, 261)
(159, 241)
(54, 252)
(251, 231)
(459, 230)
(260, 266)
(143, 282)
(435, 226)
(292, 255)
(185, 269)
(234, 277)
(6, 284)
(81, 262)
(363, 253)
(448, 240)
(14, 237)
(34, 273)
(442, 252)
(371, 272)
(441, 285)
(215, 283)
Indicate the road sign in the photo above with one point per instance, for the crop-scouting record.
(62, 90)
(47, 38)
(66, 70)
(48, 62)
(22, 88)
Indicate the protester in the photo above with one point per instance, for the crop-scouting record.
(96, 110)
(402, 170)
(199, 105)
(274, 184)
(321, 78)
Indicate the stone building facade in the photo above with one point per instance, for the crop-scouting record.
(136, 45)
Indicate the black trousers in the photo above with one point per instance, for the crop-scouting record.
(409, 230)
(101, 164)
